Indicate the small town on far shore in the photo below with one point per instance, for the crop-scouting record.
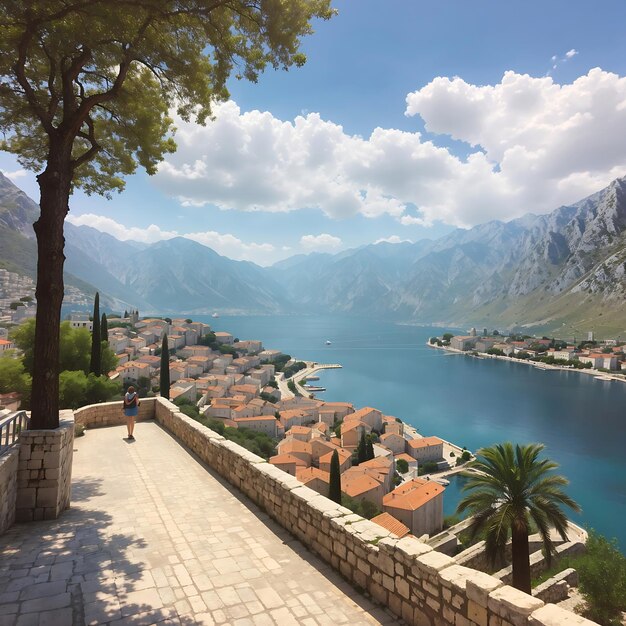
(605, 359)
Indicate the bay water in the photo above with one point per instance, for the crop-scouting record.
(471, 402)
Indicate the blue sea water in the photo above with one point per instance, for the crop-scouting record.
(472, 402)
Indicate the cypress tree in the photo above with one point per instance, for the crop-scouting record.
(95, 364)
(104, 328)
(361, 450)
(165, 369)
(125, 313)
(334, 485)
(369, 449)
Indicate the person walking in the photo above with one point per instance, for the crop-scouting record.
(131, 408)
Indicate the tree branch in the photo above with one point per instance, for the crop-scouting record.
(93, 150)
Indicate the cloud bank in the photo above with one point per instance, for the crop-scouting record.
(533, 145)
(225, 244)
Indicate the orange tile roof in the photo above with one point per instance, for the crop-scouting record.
(287, 459)
(352, 425)
(407, 457)
(388, 435)
(424, 442)
(357, 415)
(294, 445)
(307, 474)
(358, 483)
(412, 495)
(390, 523)
(343, 455)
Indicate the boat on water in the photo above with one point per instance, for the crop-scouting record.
(442, 481)
(215, 315)
(328, 342)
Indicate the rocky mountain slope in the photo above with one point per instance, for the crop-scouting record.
(562, 271)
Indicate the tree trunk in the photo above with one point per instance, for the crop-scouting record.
(521, 559)
(54, 185)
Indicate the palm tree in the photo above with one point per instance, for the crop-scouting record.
(510, 488)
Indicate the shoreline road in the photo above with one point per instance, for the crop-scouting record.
(312, 367)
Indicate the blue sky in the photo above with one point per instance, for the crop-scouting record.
(484, 146)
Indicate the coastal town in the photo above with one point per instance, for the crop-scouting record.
(604, 359)
(236, 383)
(389, 472)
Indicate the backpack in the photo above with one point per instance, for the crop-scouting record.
(129, 404)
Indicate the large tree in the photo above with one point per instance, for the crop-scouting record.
(510, 487)
(86, 90)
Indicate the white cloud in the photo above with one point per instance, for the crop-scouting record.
(536, 145)
(14, 174)
(323, 242)
(392, 239)
(571, 53)
(225, 244)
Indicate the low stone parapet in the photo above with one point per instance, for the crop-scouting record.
(557, 588)
(112, 413)
(417, 583)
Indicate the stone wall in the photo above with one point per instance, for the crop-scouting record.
(44, 471)
(8, 487)
(422, 586)
(112, 413)
(557, 588)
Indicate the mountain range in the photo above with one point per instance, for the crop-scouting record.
(564, 271)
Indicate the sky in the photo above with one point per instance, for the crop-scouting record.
(410, 118)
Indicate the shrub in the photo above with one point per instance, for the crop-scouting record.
(402, 466)
(427, 468)
(602, 572)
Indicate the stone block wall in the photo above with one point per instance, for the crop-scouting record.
(422, 586)
(44, 471)
(8, 487)
(112, 413)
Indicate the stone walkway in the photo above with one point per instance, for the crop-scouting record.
(154, 538)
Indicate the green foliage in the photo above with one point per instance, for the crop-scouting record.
(361, 449)
(451, 520)
(294, 368)
(14, 305)
(511, 489)
(334, 487)
(495, 352)
(369, 449)
(273, 383)
(427, 468)
(447, 336)
(257, 442)
(337, 428)
(280, 362)
(77, 389)
(216, 426)
(26, 299)
(75, 348)
(363, 508)
(402, 466)
(602, 572)
(95, 364)
(13, 377)
(266, 396)
(292, 387)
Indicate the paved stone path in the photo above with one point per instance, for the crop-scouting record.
(154, 538)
